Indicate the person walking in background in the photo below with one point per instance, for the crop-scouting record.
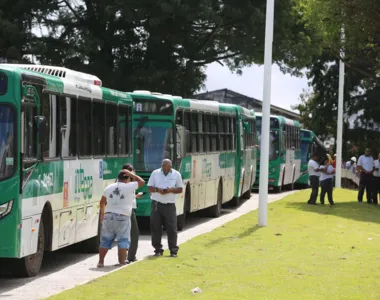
(366, 167)
(313, 170)
(326, 181)
(115, 211)
(376, 180)
(164, 184)
(135, 233)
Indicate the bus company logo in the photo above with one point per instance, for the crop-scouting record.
(206, 168)
(83, 184)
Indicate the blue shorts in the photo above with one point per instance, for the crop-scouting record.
(115, 227)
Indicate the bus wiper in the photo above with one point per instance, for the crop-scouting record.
(140, 126)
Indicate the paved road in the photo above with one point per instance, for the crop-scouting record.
(66, 268)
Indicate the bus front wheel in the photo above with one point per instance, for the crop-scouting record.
(181, 219)
(30, 265)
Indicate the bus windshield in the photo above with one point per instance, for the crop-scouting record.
(7, 153)
(154, 142)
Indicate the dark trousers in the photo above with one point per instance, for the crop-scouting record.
(376, 189)
(163, 214)
(134, 238)
(327, 188)
(314, 183)
(365, 183)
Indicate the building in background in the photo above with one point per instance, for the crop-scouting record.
(228, 96)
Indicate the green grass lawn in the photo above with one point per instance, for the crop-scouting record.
(306, 252)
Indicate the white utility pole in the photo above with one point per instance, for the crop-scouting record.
(339, 142)
(265, 130)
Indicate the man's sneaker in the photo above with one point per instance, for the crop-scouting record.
(158, 254)
(173, 255)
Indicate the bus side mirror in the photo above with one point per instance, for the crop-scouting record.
(42, 128)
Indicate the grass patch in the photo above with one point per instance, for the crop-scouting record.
(306, 252)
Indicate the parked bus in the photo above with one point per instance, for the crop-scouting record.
(284, 152)
(309, 144)
(210, 144)
(63, 138)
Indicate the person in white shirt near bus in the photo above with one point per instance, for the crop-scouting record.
(313, 170)
(376, 180)
(164, 184)
(366, 167)
(115, 214)
(326, 181)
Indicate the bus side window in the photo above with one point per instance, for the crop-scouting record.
(124, 131)
(179, 117)
(98, 128)
(187, 126)
(206, 132)
(50, 110)
(111, 125)
(84, 128)
(200, 145)
(30, 143)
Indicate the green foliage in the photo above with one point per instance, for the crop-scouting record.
(159, 45)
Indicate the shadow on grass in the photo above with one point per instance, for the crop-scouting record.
(244, 234)
(363, 212)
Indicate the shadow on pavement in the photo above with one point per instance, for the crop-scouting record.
(363, 212)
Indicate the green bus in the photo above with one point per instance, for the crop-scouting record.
(284, 152)
(63, 139)
(310, 144)
(211, 144)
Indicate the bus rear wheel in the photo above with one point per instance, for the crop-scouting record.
(30, 265)
(216, 209)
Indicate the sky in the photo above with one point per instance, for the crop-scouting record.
(286, 89)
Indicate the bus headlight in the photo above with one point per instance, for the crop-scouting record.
(5, 209)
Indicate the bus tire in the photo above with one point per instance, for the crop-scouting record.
(91, 245)
(181, 219)
(216, 209)
(277, 189)
(30, 265)
(247, 195)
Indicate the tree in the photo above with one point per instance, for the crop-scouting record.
(165, 45)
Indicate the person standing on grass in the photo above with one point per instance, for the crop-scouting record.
(376, 180)
(326, 181)
(134, 226)
(365, 167)
(115, 214)
(313, 170)
(164, 184)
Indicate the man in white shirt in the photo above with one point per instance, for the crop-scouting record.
(164, 184)
(313, 170)
(135, 233)
(366, 167)
(376, 180)
(115, 213)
